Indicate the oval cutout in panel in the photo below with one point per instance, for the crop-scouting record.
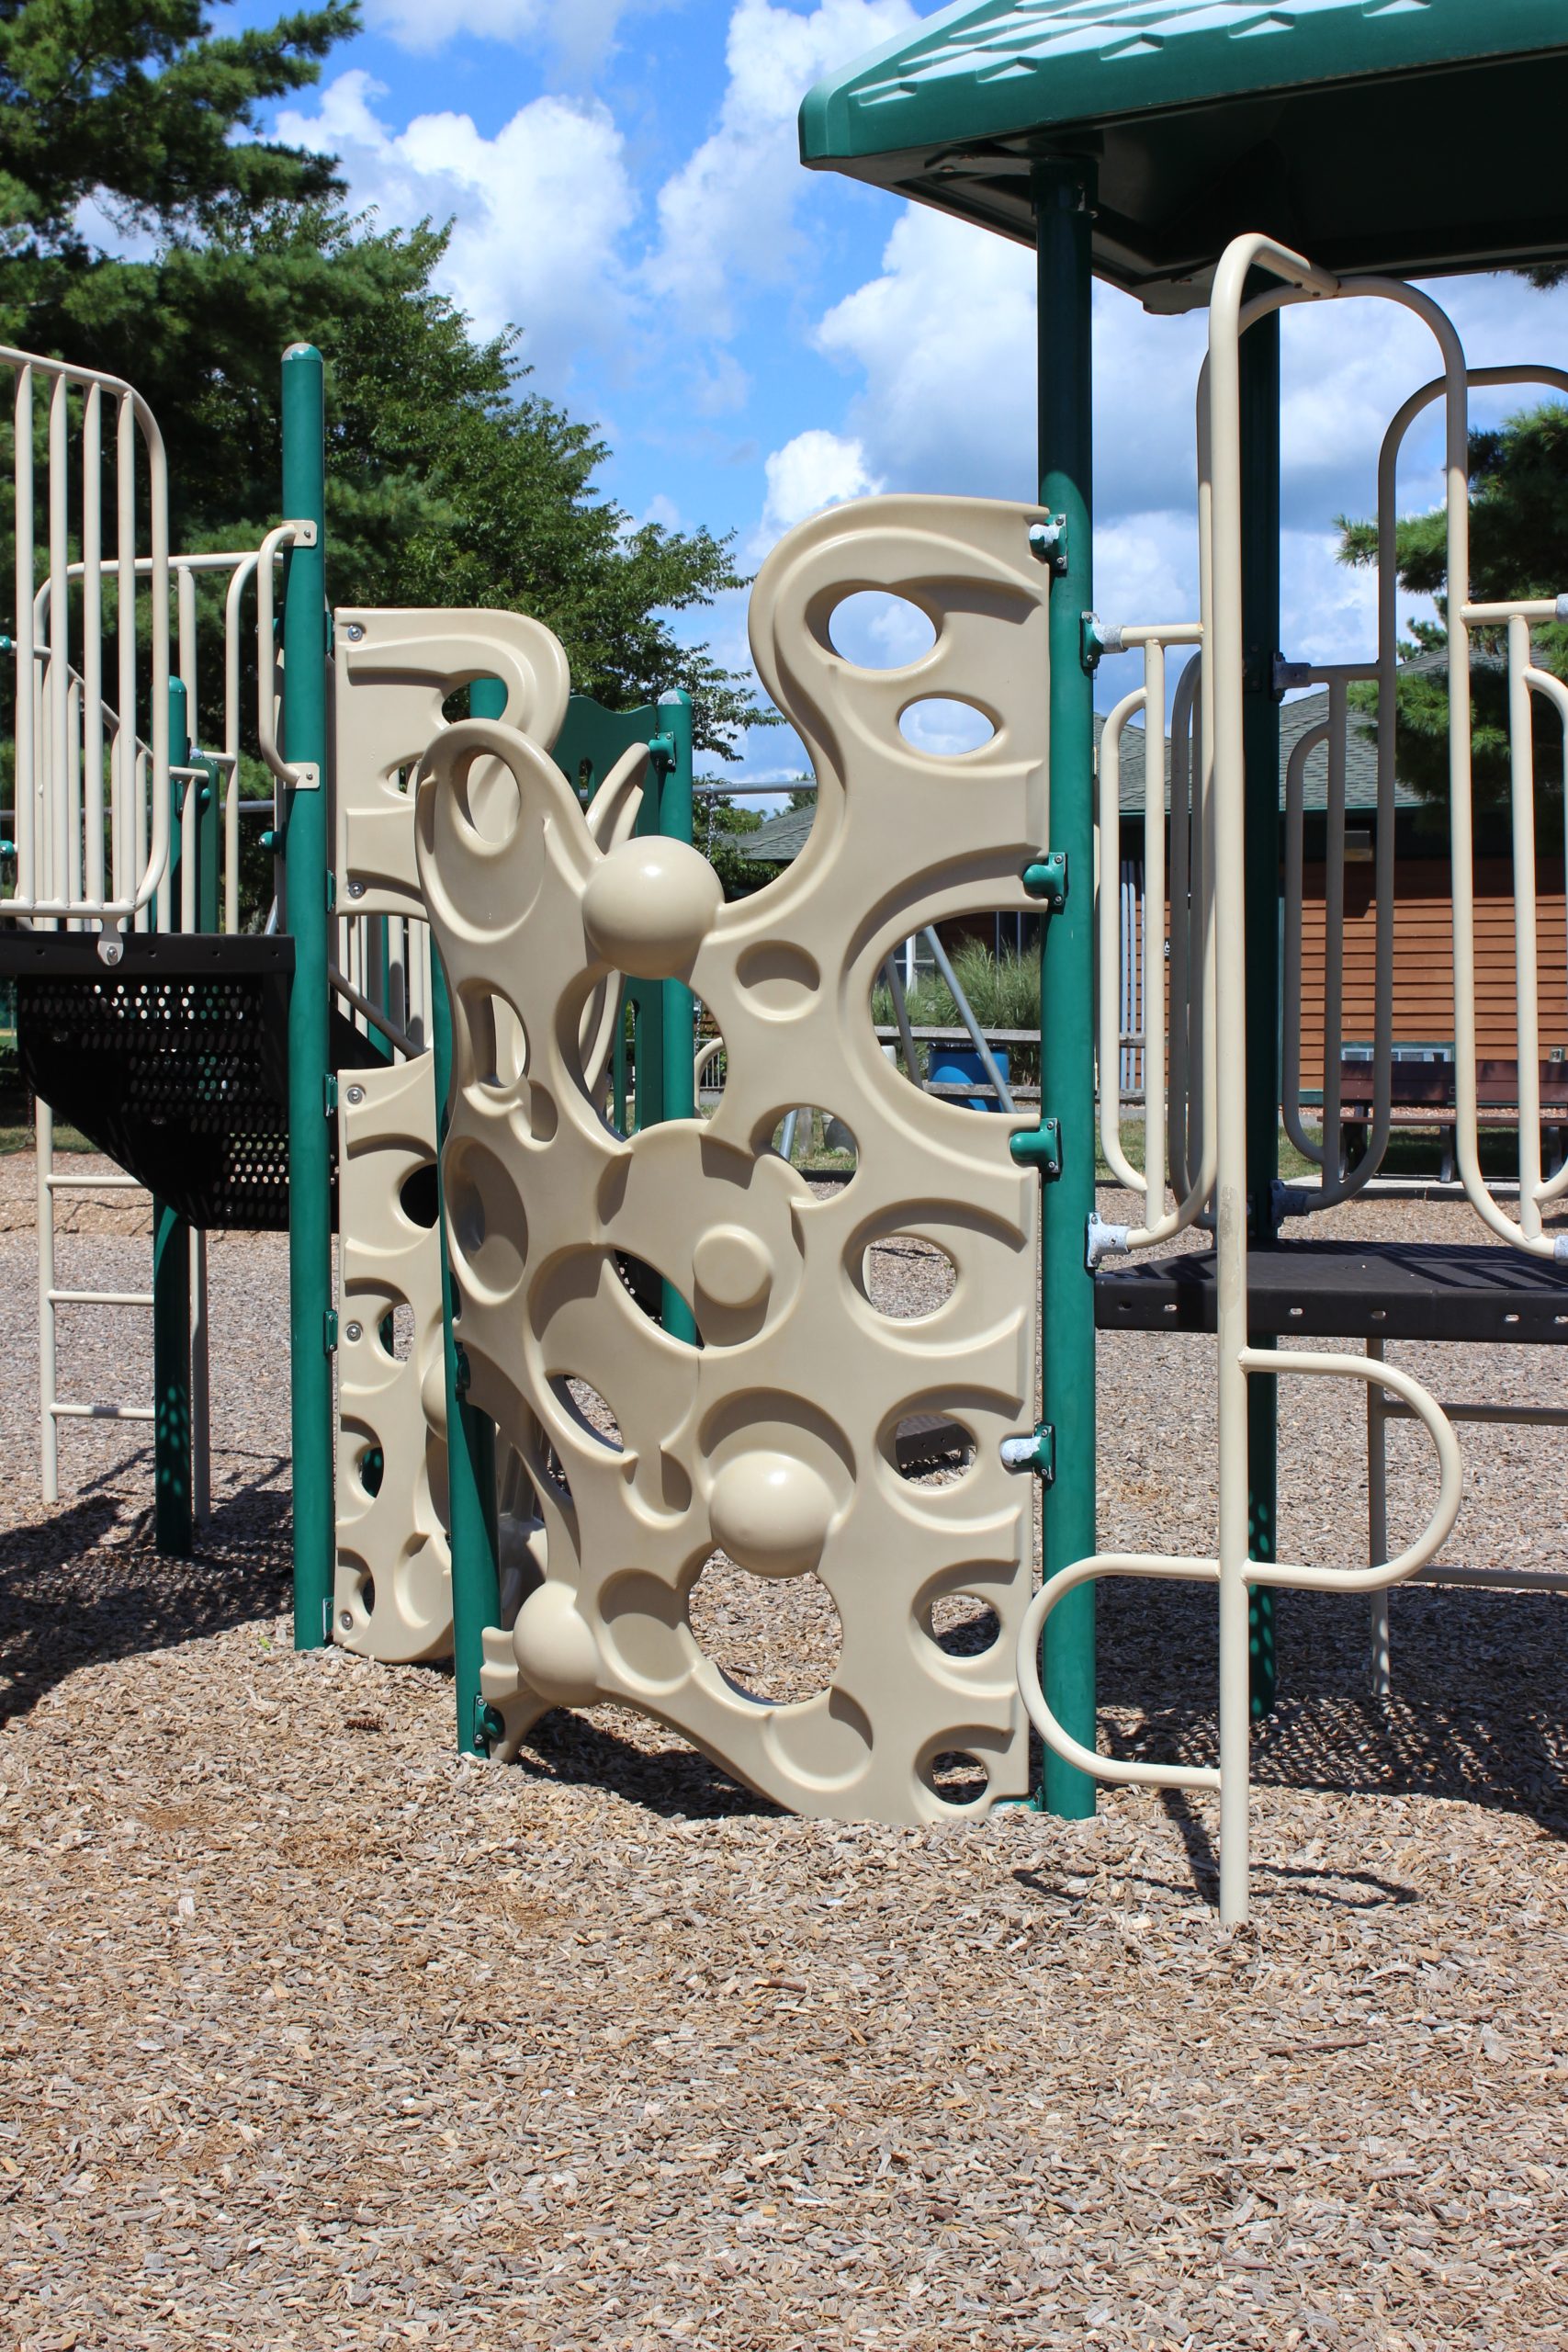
(656, 1295)
(420, 1198)
(906, 1278)
(942, 727)
(958, 1778)
(963, 1625)
(777, 1638)
(817, 1141)
(488, 798)
(587, 1411)
(877, 630)
(931, 1449)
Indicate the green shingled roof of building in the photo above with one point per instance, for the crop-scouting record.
(782, 838)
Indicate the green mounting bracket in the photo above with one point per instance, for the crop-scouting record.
(1037, 1453)
(661, 750)
(489, 1724)
(1039, 1148)
(329, 1331)
(1048, 542)
(328, 1094)
(1046, 880)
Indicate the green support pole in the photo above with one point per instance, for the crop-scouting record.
(1064, 207)
(208, 834)
(472, 1525)
(307, 884)
(677, 1006)
(174, 1529)
(1261, 725)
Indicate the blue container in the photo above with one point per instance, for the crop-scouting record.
(951, 1067)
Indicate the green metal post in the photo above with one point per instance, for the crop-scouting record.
(1064, 209)
(173, 1514)
(308, 882)
(1260, 724)
(470, 1442)
(678, 1095)
(208, 834)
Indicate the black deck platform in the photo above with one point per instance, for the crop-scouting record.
(174, 1061)
(1350, 1290)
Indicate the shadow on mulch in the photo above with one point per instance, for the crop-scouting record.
(1477, 1712)
(678, 1782)
(84, 1585)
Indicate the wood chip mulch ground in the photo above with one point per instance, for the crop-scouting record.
(315, 2035)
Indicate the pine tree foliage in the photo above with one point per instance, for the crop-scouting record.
(1519, 548)
(449, 481)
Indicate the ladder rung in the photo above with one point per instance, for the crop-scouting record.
(103, 1412)
(93, 1185)
(100, 1298)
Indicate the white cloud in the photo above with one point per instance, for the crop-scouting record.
(727, 213)
(817, 469)
(583, 31)
(539, 209)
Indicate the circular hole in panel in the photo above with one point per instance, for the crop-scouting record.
(877, 630)
(778, 1638)
(587, 1411)
(946, 728)
(931, 1449)
(957, 1778)
(488, 798)
(781, 979)
(994, 959)
(367, 1594)
(905, 1278)
(818, 1142)
(485, 1218)
(964, 1626)
(419, 1197)
(370, 1469)
(651, 1290)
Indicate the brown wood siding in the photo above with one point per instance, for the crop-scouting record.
(1423, 957)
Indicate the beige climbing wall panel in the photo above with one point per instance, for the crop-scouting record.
(776, 1441)
(394, 670)
(393, 1597)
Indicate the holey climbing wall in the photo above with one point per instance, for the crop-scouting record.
(773, 1439)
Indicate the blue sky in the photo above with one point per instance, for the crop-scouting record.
(755, 340)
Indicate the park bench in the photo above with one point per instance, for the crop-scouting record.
(1422, 1096)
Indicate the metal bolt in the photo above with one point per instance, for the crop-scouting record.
(356, 889)
(357, 1094)
(355, 1331)
(355, 632)
(345, 1619)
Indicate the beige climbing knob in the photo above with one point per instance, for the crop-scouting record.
(650, 906)
(770, 1513)
(732, 1266)
(556, 1649)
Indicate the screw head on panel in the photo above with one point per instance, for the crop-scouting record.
(355, 1331)
(357, 1094)
(355, 632)
(345, 1619)
(356, 889)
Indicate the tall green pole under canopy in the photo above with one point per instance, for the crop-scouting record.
(308, 914)
(471, 1523)
(1260, 743)
(173, 1503)
(678, 1098)
(1063, 211)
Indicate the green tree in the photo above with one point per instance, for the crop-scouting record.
(1518, 539)
(449, 481)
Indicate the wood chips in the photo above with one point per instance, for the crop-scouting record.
(316, 2035)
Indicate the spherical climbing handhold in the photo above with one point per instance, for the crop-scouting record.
(650, 906)
(770, 1513)
(555, 1647)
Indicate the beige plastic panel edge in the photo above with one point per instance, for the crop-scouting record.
(774, 1440)
(393, 672)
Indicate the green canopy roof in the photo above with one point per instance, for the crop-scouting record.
(1397, 135)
